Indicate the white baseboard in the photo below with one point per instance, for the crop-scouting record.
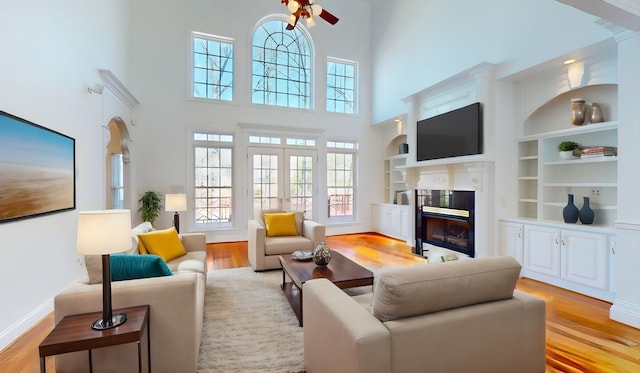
(7, 337)
(626, 313)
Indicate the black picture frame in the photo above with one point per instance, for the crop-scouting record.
(37, 170)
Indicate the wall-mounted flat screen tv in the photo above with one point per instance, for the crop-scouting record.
(452, 134)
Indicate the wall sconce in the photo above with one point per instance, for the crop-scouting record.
(575, 74)
(97, 89)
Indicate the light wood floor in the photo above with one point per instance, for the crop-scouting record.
(580, 335)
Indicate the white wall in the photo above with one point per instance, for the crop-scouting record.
(166, 115)
(51, 52)
(418, 43)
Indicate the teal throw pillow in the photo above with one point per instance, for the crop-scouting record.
(129, 267)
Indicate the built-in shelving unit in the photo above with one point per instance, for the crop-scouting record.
(545, 180)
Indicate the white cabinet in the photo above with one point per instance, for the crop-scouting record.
(575, 259)
(512, 240)
(393, 221)
(542, 250)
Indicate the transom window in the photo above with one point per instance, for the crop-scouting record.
(213, 163)
(341, 86)
(212, 67)
(281, 66)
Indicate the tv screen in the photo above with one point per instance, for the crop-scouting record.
(452, 134)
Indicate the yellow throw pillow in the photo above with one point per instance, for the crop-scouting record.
(141, 248)
(280, 224)
(164, 243)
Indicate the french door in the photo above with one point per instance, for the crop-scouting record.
(283, 178)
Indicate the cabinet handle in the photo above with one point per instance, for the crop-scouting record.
(613, 247)
(519, 233)
(556, 239)
(564, 242)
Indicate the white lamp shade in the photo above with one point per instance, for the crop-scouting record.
(104, 232)
(175, 202)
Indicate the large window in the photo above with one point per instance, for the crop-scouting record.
(117, 181)
(212, 67)
(281, 66)
(341, 185)
(341, 86)
(213, 179)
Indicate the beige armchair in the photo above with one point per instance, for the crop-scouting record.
(264, 248)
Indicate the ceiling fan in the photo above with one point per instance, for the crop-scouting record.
(306, 9)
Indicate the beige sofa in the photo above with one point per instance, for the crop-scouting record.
(264, 251)
(460, 316)
(176, 314)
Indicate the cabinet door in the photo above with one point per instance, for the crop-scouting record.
(542, 250)
(585, 258)
(405, 223)
(512, 240)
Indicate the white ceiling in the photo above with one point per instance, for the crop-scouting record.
(625, 13)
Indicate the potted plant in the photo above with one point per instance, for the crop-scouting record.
(566, 149)
(150, 205)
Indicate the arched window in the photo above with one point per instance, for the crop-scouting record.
(281, 65)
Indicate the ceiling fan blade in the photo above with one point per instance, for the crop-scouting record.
(328, 17)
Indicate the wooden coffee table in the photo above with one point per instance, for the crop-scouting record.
(343, 272)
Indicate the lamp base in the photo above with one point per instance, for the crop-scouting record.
(116, 320)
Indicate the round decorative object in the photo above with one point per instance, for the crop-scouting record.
(597, 115)
(566, 155)
(578, 111)
(586, 214)
(570, 211)
(322, 254)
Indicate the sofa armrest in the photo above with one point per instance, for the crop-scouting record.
(256, 234)
(176, 311)
(313, 231)
(194, 241)
(339, 334)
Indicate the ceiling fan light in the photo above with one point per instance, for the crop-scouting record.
(293, 6)
(310, 22)
(291, 20)
(316, 9)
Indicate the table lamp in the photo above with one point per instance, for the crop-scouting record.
(175, 203)
(103, 233)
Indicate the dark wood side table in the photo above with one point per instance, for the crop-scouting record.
(74, 333)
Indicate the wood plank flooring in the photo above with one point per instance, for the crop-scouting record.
(580, 335)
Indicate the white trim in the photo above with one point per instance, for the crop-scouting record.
(30, 320)
(118, 88)
(625, 312)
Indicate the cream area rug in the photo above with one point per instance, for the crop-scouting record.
(248, 324)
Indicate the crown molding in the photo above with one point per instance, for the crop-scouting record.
(118, 88)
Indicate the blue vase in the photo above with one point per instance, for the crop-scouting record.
(570, 211)
(586, 214)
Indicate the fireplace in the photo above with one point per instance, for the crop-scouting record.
(445, 218)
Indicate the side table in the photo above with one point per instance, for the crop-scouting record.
(74, 333)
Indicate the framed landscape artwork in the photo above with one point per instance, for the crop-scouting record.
(37, 170)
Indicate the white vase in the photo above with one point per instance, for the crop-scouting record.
(566, 155)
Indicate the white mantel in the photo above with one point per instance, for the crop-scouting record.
(475, 172)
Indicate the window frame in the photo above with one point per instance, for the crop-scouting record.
(356, 84)
(304, 33)
(354, 174)
(191, 68)
(233, 187)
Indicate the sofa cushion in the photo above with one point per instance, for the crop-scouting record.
(194, 261)
(141, 228)
(130, 267)
(286, 245)
(426, 288)
(280, 224)
(299, 217)
(164, 243)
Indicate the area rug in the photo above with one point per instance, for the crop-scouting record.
(248, 324)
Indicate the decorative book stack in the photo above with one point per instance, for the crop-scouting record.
(598, 151)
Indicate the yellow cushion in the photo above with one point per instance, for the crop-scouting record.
(164, 243)
(280, 224)
(141, 248)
